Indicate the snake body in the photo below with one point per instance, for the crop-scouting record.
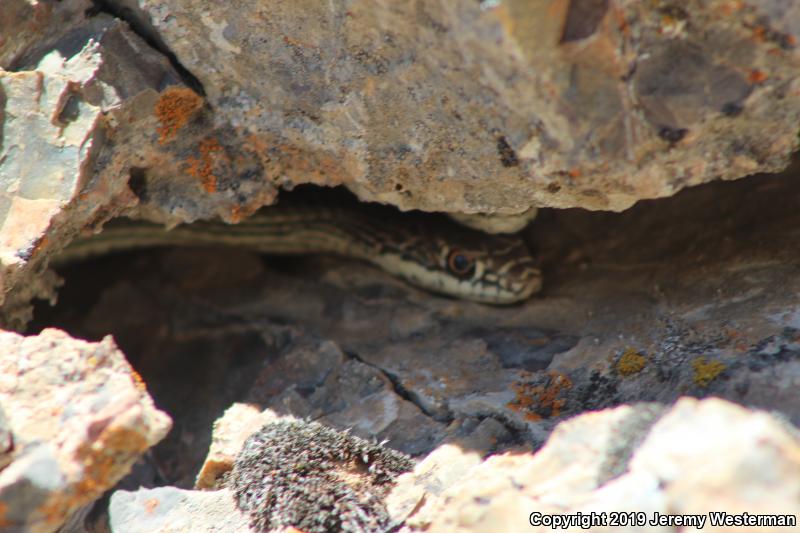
(433, 253)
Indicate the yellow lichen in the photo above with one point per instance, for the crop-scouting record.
(631, 362)
(706, 371)
(174, 109)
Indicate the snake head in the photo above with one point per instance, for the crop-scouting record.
(456, 261)
(490, 269)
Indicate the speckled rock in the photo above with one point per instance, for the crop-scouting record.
(698, 457)
(77, 418)
(53, 128)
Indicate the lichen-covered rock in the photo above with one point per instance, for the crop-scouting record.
(305, 475)
(695, 295)
(498, 106)
(77, 418)
(54, 125)
(696, 458)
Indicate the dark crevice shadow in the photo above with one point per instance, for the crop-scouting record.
(140, 24)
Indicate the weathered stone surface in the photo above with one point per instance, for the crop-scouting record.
(442, 468)
(699, 456)
(697, 308)
(53, 128)
(31, 29)
(472, 107)
(230, 431)
(171, 510)
(77, 418)
(498, 106)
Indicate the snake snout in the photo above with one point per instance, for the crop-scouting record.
(523, 278)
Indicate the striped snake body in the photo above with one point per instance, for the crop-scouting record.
(431, 252)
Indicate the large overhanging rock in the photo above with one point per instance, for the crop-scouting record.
(497, 106)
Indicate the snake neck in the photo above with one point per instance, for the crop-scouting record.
(276, 231)
(441, 257)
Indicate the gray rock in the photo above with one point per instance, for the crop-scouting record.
(171, 510)
(497, 106)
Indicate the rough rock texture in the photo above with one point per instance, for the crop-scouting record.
(295, 473)
(175, 111)
(432, 106)
(171, 510)
(76, 417)
(697, 457)
(230, 431)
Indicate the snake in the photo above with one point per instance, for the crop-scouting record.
(428, 251)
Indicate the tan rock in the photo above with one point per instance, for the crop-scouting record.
(498, 106)
(230, 431)
(79, 418)
(172, 510)
(701, 456)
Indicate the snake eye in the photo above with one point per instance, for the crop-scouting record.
(461, 264)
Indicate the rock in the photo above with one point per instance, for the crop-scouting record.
(443, 467)
(79, 417)
(55, 130)
(302, 474)
(701, 456)
(627, 316)
(496, 223)
(497, 107)
(230, 432)
(171, 510)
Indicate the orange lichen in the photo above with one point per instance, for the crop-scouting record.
(138, 381)
(631, 362)
(4, 521)
(540, 401)
(102, 458)
(757, 76)
(174, 109)
(706, 371)
(102, 462)
(151, 505)
(202, 168)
